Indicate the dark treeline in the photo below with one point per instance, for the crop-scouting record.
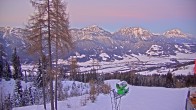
(156, 80)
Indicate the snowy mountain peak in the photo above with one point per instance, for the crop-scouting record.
(174, 33)
(7, 31)
(135, 31)
(93, 28)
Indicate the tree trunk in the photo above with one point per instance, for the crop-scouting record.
(56, 92)
(50, 60)
(44, 95)
(56, 75)
(42, 64)
(56, 55)
(43, 88)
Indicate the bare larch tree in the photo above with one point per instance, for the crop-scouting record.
(49, 26)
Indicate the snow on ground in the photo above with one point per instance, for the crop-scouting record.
(138, 98)
(185, 57)
(131, 62)
(7, 87)
(187, 70)
(155, 50)
(104, 56)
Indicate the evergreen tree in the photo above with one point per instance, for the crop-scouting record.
(16, 65)
(74, 90)
(20, 75)
(7, 71)
(1, 66)
(18, 92)
(39, 80)
(31, 96)
(1, 61)
(26, 97)
(74, 68)
(169, 80)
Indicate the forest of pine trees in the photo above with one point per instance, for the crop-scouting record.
(5, 71)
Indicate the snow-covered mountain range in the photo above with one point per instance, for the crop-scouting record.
(175, 33)
(93, 41)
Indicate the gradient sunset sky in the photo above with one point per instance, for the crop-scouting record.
(156, 16)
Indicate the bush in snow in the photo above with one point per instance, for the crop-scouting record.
(60, 93)
(68, 105)
(75, 90)
(105, 88)
(7, 103)
(65, 90)
(93, 91)
(83, 101)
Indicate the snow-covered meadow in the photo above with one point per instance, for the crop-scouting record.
(138, 62)
(138, 98)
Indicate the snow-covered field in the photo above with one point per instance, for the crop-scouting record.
(138, 62)
(132, 62)
(139, 98)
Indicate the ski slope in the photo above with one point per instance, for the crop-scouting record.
(139, 98)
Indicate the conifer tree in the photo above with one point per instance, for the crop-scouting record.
(1, 61)
(169, 80)
(16, 65)
(37, 35)
(74, 90)
(7, 71)
(31, 96)
(18, 94)
(1, 66)
(26, 97)
(49, 26)
(39, 80)
(74, 68)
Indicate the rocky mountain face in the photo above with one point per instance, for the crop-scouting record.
(175, 33)
(11, 38)
(132, 34)
(95, 42)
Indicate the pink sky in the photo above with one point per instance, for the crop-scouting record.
(128, 9)
(155, 15)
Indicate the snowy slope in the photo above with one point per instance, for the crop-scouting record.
(7, 87)
(139, 98)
